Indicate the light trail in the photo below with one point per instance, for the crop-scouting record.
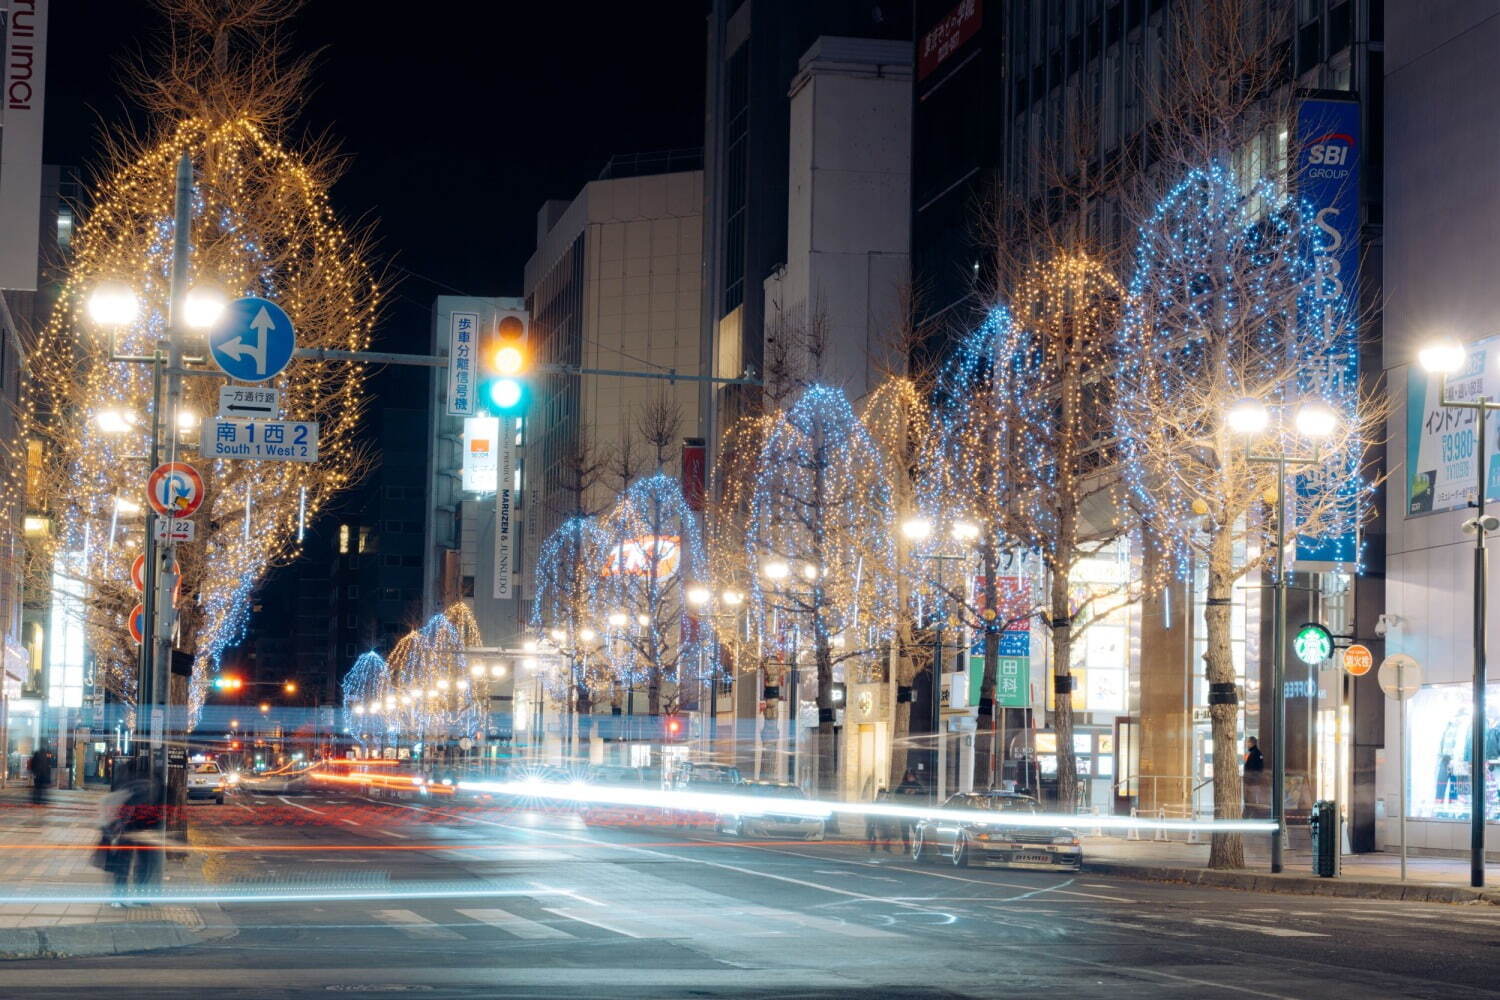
(761, 805)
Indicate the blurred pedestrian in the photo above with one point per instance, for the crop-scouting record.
(130, 844)
(910, 791)
(1255, 767)
(877, 826)
(40, 766)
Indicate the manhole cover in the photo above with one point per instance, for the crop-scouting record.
(378, 988)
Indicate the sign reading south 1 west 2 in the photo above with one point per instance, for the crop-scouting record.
(254, 341)
(274, 440)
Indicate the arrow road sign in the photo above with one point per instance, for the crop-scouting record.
(174, 489)
(254, 341)
(241, 401)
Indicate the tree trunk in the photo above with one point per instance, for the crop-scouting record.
(1062, 716)
(989, 757)
(1226, 850)
(906, 672)
(824, 756)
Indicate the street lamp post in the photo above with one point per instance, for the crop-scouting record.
(1446, 359)
(1314, 421)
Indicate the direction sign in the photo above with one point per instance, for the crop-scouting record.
(1358, 660)
(253, 341)
(245, 401)
(174, 489)
(137, 622)
(1400, 676)
(279, 440)
(180, 530)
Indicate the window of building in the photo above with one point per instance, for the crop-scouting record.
(736, 174)
(351, 591)
(364, 537)
(343, 538)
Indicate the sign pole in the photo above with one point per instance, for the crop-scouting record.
(166, 551)
(1401, 743)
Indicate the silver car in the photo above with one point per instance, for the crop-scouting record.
(988, 839)
(804, 822)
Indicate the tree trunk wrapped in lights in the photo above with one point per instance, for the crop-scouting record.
(261, 225)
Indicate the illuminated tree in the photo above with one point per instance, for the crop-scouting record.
(820, 547)
(261, 225)
(1225, 305)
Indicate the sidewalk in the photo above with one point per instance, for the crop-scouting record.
(1364, 876)
(53, 901)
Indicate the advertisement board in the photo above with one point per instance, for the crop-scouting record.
(481, 468)
(1440, 462)
(505, 522)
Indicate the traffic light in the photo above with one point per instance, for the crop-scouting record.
(673, 727)
(503, 364)
(228, 682)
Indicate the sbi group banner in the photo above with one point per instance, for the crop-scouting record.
(1328, 159)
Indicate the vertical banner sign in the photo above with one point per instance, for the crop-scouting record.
(1440, 441)
(1327, 177)
(505, 472)
(481, 457)
(463, 337)
(1013, 669)
(694, 472)
(23, 65)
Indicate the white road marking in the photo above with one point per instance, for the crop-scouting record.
(298, 805)
(594, 921)
(392, 833)
(1241, 926)
(512, 924)
(415, 926)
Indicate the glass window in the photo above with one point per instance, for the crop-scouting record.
(1439, 749)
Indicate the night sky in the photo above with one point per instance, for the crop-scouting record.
(461, 118)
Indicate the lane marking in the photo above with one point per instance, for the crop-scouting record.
(594, 921)
(519, 926)
(415, 926)
(298, 805)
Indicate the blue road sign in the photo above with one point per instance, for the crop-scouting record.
(254, 341)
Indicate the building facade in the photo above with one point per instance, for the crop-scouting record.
(1439, 78)
(993, 83)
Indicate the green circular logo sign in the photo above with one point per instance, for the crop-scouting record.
(1313, 644)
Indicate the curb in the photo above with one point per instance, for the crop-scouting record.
(87, 940)
(1302, 885)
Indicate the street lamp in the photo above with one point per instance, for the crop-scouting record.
(699, 596)
(113, 303)
(115, 421)
(618, 619)
(1447, 358)
(777, 570)
(1314, 421)
(204, 306)
(917, 529)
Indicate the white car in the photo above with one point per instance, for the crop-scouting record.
(792, 816)
(207, 781)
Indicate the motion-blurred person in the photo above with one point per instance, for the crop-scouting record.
(878, 827)
(40, 766)
(129, 835)
(910, 791)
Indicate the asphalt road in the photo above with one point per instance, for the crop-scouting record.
(457, 902)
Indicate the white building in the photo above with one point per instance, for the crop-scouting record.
(1442, 209)
(848, 209)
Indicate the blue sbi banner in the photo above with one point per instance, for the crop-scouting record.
(1327, 176)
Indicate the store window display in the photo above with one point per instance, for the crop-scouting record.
(1440, 749)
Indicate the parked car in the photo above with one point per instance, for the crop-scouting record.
(690, 776)
(629, 779)
(807, 823)
(988, 839)
(207, 781)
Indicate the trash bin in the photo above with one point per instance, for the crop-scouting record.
(1325, 838)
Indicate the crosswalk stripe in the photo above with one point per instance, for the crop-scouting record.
(595, 921)
(412, 925)
(513, 924)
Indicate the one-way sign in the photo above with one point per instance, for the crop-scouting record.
(243, 402)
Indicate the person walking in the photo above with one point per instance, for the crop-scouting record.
(874, 823)
(40, 766)
(910, 792)
(1255, 767)
(129, 837)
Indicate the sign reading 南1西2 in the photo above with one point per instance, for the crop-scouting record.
(267, 440)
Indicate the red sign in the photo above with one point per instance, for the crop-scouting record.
(649, 555)
(1012, 595)
(138, 623)
(138, 577)
(174, 489)
(956, 27)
